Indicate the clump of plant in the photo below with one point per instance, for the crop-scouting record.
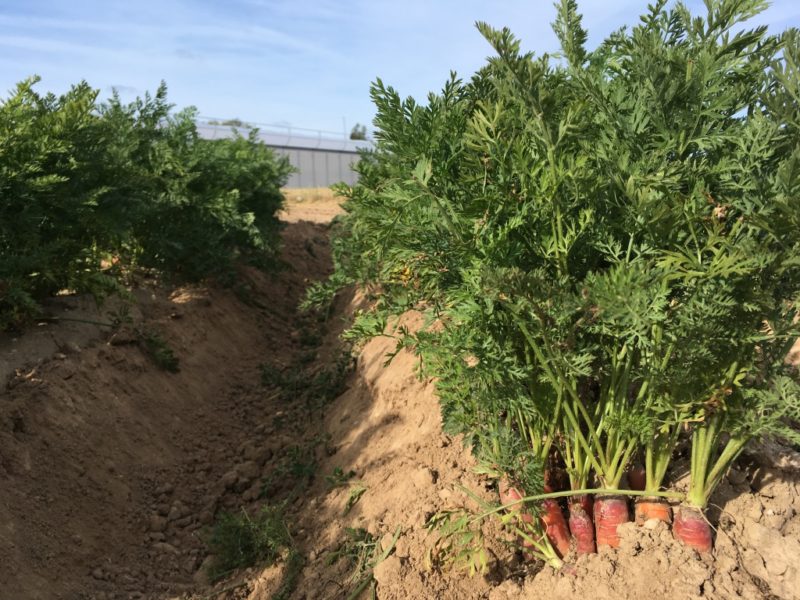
(294, 567)
(339, 478)
(159, 351)
(357, 489)
(609, 247)
(362, 552)
(460, 543)
(240, 540)
(296, 470)
(315, 388)
(92, 190)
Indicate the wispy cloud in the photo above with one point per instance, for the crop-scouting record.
(49, 47)
(244, 35)
(124, 89)
(308, 63)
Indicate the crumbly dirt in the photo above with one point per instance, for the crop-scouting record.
(112, 470)
(318, 205)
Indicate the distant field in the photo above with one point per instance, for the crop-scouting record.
(319, 205)
(321, 194)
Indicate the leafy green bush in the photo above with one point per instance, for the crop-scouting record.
(223, 208)
(47, 229)
(82, 182)
(609, 241)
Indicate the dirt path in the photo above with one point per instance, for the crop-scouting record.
(111, 468)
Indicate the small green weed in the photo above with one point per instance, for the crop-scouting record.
(329, 383)
(296, 471)
(315, 389)
(272, 376)
(294, 566)
(245, 293)
(339, 478)
(238, 540)
(363, 553)
(306, 358)
(310, 338)
(302, 463)
(460, 545)
(121, 316)
(159, 351)
(356, 491)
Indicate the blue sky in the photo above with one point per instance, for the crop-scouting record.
(304, 63)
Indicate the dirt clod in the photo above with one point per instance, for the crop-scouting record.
(157, 523)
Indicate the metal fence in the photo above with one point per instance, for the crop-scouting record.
(320, 158)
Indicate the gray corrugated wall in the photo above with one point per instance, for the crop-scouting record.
(319, 168)
(321, 161)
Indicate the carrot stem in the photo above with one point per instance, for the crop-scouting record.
(731, 451)
(540, 548)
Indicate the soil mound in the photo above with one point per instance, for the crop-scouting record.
(111, 468)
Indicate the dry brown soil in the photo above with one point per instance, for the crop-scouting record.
(113, 470)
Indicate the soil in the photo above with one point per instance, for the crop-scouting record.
(113, 470)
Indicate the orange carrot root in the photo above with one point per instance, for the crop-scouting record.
(609, 512)
(508, 495)
(581, 526)
(650, 508)
(552, 518)
(692, 529)
(637, 479)
(555, 526)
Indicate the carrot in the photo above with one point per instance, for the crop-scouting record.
(636, 478)
(552, 518)
(556, 526)
(652, 508)
(580, 523)
(555, 480)
(509, 494)
(609, 512)
(692, 529)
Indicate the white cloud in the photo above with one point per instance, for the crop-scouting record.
(306, 62)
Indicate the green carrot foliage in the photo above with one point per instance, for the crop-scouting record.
(607, 240)
(85, 183)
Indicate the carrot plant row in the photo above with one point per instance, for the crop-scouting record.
(606, 243)
(89, 190)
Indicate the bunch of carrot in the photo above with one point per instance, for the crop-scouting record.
(592, 520)
(610, 247)
(716, 438)
(655, 307)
